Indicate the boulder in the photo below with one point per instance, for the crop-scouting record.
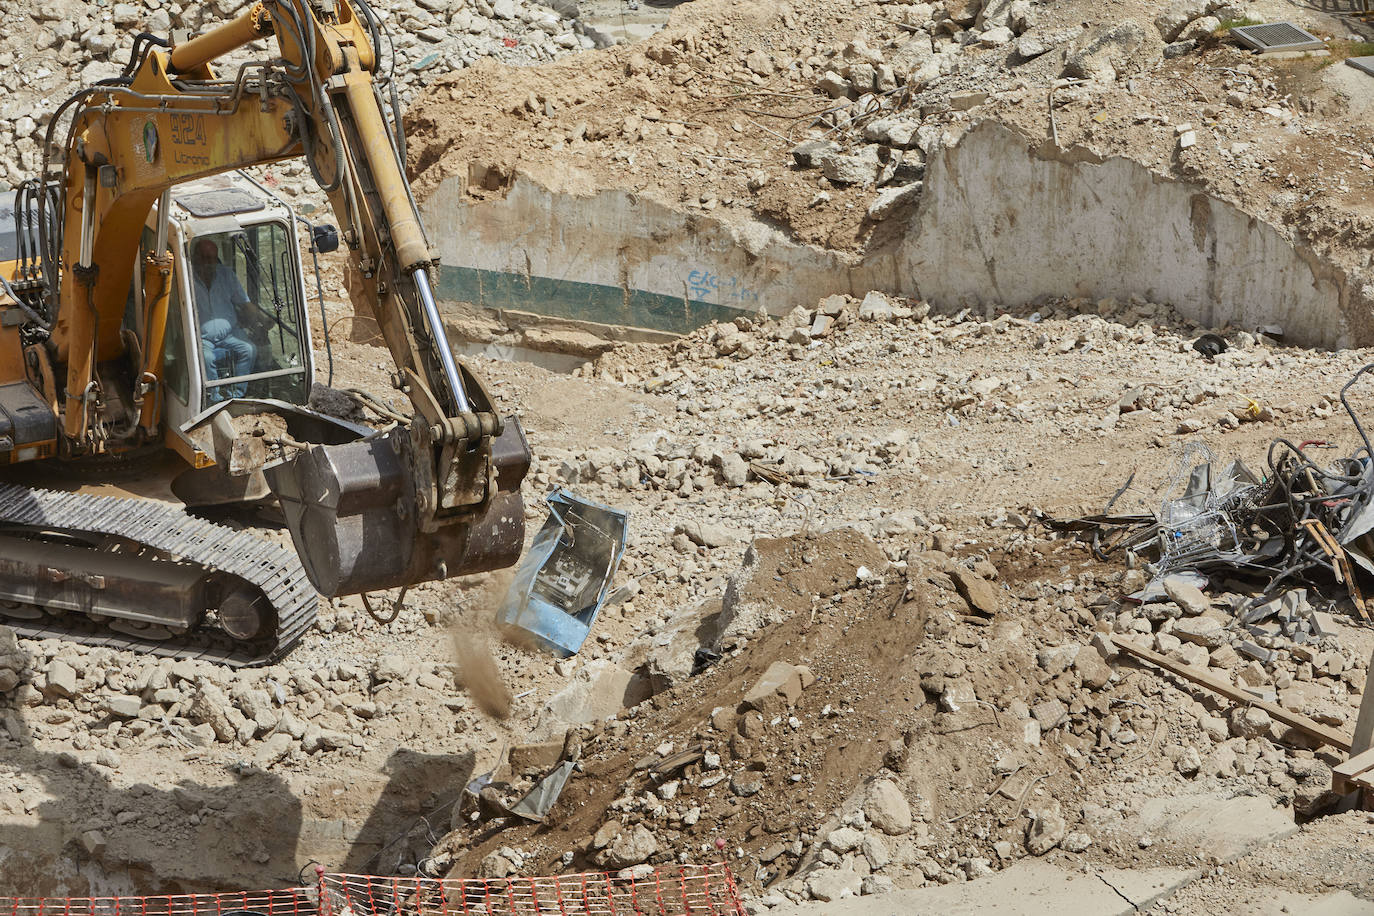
(860, 168)
(210, 706)
(705, 534)
(778, 688)
(834, 85)
(806, 153)
(876, 884)
(630, 847)
(391, 668)
(1092, 669)
(896, 132)
(831, 884)
(844, 839)
(1045, 832)
(1186, 595)
(995, 37)
(913, 57)
(124, 707)
(272, 750)
(1200, 29)
(891, 200)
(887, 808)
(61, 678)
(980, 594)
(746, 783)
(994, 14)
(670, 655)
(874, 849)
(1201, 631)
(255, 705)
(758, 61)
(1109, 52)
(1250, 722)
(494, 865)
(876, 306)
(1177, 15)
(964, 12)
(734, 470)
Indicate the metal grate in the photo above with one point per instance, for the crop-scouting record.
(1273, 37)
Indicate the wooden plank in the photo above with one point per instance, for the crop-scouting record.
(1355, 775)
(1236, 694)
(1355, 765)
(1364, 722)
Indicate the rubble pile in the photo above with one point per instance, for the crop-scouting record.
(846, 648)
(1248, 574)
(838, 590)
(99, 702)
(820, 118)
(830, 753)
(61, 46)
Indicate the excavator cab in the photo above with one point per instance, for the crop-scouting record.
(237, 324)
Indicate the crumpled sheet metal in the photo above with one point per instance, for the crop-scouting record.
(561, 585)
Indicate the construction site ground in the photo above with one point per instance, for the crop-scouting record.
(866, 503)
(1035, 429)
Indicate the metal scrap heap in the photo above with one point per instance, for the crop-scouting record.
(1303, 525)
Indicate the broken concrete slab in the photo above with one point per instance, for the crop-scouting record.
(1029, 888)
(1272, 901)
(598, 689)
(980, 594)
(1144, 887)
(1214, 826)
(669, 656)
(779, 576)
(778, 688)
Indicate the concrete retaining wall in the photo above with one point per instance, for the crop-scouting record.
(617, 258)
(1000, 221)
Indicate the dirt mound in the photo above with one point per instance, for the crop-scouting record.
(897, 679)
(672, 117)
(819, 117)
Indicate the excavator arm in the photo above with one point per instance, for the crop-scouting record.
(431, 499)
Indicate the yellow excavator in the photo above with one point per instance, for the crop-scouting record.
(155, 303)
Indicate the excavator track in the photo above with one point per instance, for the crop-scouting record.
(273, 569)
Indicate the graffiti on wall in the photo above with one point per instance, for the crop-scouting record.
(706, 285)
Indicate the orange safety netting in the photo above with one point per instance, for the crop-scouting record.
(297, 901)
(688, 890)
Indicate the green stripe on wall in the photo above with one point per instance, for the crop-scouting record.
(581, 301)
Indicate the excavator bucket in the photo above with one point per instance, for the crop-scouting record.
(356, 518)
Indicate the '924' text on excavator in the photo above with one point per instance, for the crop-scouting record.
(155, 302)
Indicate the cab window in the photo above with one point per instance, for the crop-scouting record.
(247, 303)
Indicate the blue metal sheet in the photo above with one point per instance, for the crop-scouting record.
(560, 586)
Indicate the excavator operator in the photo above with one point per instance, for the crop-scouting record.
(219, 296)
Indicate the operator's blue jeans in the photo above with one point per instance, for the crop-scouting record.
(225, 358)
